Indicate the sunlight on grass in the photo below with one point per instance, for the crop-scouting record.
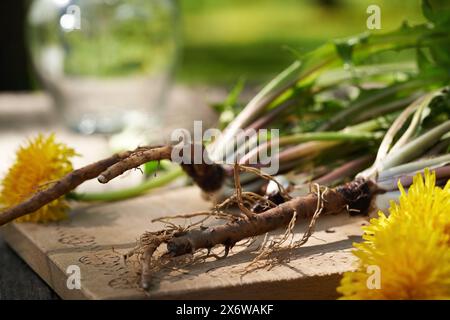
(224, 40)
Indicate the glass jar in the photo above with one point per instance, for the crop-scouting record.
(107, 63)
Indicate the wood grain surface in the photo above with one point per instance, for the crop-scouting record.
(96, 236)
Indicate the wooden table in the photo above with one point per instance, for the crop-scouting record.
(97, 234)
(22, 115)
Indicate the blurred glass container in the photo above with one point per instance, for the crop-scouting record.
(107, 63)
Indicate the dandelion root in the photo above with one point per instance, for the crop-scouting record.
(207, 175)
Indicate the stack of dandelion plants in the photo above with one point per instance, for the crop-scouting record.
(350, 130)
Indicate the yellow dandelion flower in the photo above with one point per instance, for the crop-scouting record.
(410, 248)
(37, 165)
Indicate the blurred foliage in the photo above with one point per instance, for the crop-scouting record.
(224, 40)
(227, 40)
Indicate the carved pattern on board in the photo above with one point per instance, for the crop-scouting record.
(107, 261)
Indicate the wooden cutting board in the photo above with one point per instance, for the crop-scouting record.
(96, 236)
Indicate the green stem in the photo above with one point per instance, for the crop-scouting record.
(271, 91)
(356, 49)
(313, 148)
(412, 167)
(140, 189)
(388, 107)
(318, 137)
(328, 136)
(345, 116)
(388, 139)
(415, 147)
(335, 77)
(369, 125)
(416, 121)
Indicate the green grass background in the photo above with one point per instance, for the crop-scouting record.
(223, 40)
